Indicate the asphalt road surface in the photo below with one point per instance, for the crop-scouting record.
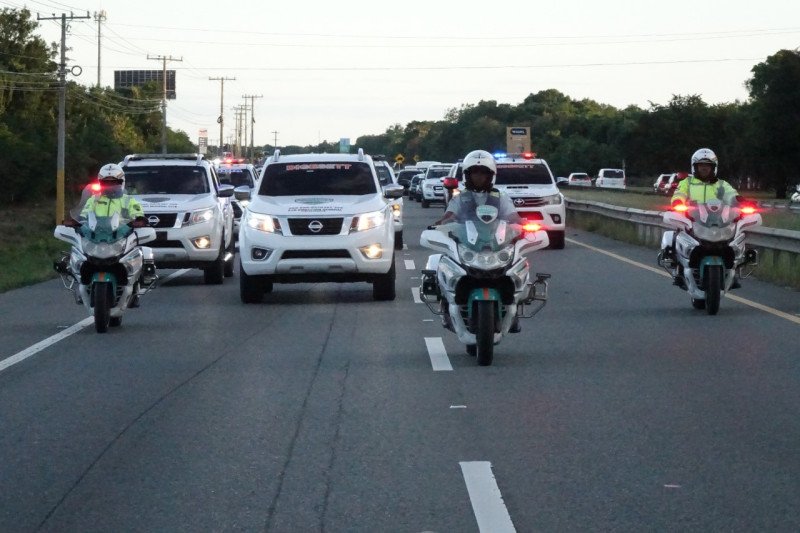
(618, 408)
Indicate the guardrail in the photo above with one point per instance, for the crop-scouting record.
(649, 226)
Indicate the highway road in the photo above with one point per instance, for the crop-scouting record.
(617, 408)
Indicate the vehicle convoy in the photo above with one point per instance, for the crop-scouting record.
(237, 172)
(480, 282)
(706, 251)
(191, 211)
(431, 188)
(317, 218)
(107, 269)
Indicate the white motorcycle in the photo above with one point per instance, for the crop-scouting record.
(795, 198)
(706, 253)
(107, 264)
(480, 284)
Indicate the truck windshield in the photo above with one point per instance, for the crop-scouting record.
(166, 180)
(523, 174)
(300, 179)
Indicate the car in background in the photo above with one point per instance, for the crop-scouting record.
(659, 186)
(404, 177)
(610, 178)
(414, 192)
(579, 179)
(432, 188)
(675, 179)
(237, 173)
(530, 184)
(386, 177)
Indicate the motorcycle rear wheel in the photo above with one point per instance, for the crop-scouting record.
(101, 294)
(484, 333)
(713, 288)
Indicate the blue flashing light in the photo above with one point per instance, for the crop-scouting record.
(498, 155)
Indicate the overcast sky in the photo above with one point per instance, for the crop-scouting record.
(328, 70)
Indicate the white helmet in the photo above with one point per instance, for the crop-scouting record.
(112, 178)
(705, 155)
(478, 158)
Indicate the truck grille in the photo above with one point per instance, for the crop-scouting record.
(528, 202)
(323, 226)
(316, 254)
(165, 220)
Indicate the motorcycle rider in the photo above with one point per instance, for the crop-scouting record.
(112, 198)
(480, 170)
(702, 185)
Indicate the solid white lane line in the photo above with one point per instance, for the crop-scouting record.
(484, 494)
(761, 307)
(409, 264)
(437, 353)
(49, 341)
(415, 294)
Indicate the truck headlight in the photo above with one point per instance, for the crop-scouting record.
(554, 199)
(264, 223)
(200, 216)
(368, 221)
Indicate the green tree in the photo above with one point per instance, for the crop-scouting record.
(775, 94)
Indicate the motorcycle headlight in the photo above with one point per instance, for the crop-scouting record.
(200, 216)
(104, 250)
(264, 223)
(368, 221)
(486, 260)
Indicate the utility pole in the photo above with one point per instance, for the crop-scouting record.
(276, 139)
(100, 17)
(221, 118)
(252, 98)
(62, 111)
(238, 111)
(164, 59)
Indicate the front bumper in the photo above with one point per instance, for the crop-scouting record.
(176, 246)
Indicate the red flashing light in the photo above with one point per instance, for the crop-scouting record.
(680, 208)
(528, 155)
(531, 227)
(95, 187)
(749, 210)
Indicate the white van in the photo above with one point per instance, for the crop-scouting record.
(611, 178)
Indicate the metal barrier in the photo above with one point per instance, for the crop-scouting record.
(649, 227)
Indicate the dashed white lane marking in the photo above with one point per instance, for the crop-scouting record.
(761, 307)
(458, 407)
(427, 320)
(49, 341)
(484, 494)
(409, 264)
(405, 246)
(415, 294)
(437, 353)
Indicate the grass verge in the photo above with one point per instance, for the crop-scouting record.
(27, 246)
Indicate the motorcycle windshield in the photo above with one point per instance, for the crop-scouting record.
(715, 219)
(104, 229)
(480, 235)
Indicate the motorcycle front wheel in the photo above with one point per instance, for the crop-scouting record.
(713, 288)
(102, 298)
(484, 333)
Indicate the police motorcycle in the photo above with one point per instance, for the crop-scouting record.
(107, 269)
(480, 282)
(705, 252)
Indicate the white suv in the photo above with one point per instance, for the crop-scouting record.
(317, 218)
(190, 210)
(610, 178)
(529, 182)
(431, 186)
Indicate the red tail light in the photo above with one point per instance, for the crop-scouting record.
(749, 210)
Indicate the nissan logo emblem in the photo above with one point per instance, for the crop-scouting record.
(153, 220)
(519, 201)
(315, 226)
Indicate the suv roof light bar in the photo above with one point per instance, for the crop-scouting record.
(183, 157)
(360, 154)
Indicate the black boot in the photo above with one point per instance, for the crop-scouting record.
(515, 327)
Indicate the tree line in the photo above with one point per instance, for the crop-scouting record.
(755, 140)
